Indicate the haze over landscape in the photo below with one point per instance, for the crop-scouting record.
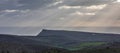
(31, 16)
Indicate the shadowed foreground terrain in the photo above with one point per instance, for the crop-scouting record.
(60, 41)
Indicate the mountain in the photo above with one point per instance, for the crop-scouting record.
(60, 41)
(70, 39)
(62, 35)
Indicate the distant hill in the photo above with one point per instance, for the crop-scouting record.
(60, 41)
(79, 36)
(18, 44)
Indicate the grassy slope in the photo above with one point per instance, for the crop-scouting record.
(82, 45)
(86, 45)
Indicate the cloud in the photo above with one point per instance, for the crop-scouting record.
(24, 4)
(69, 7)
(118, 0)
(96, 7)
(14, 10)
(3, 1)
(56, 3)
(63, 14)
(35, 4)
(92, 7)
(86, 2)
(10, 11)
(81, 14)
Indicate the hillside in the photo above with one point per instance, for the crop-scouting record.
(60, 41)
(18, 44)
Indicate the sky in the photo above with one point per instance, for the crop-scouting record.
(29, 17)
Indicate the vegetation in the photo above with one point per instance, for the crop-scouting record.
(83, 45)
(101, 43)
(102, 50)
(16, 48)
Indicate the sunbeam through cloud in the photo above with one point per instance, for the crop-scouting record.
(59, 14)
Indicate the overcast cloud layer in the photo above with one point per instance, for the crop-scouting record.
(30, 16)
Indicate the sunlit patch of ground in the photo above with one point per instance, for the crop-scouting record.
(83, 45)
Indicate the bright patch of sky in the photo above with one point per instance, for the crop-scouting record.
(118, 0)
(98, 7)
(69, 7)
(56, 3)
(11, 10)
(82, 14)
